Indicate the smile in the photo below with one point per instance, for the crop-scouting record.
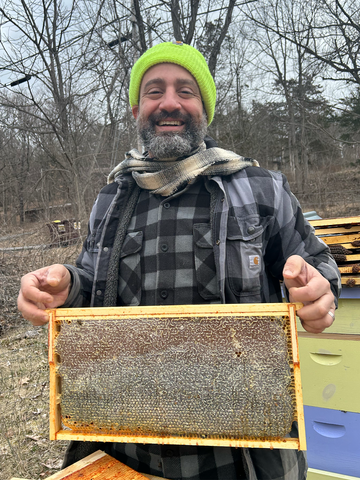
(165, 123)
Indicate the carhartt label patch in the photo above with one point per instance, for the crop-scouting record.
(254, 260)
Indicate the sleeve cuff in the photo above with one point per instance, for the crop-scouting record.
(74, 299)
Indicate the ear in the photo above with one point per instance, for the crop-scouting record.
(135, 111)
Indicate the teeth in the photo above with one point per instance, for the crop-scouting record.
(170, 122)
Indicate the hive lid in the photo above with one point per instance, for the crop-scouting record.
(101, 466)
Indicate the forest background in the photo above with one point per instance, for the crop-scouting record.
(287, 76)
(288, 81)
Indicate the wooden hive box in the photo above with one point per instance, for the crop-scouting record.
(224, 375)
(99, 466)
(342, 235)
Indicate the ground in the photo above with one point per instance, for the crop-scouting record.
(25, 448)
(332, 193)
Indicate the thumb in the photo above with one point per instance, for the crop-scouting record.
(57, 276)
(293, 267)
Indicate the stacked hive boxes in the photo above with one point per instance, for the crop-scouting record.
(330, 364)
(342, 235)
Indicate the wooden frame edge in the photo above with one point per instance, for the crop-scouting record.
(57, 433)
(175, 310)
(63, 474)
(55, 414)
(324, 222)
(52, 366)
(285, 443)
(297, 379)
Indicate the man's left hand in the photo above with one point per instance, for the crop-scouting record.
(306, 285)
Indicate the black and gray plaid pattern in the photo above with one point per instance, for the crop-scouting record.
(182, 462)
(167, 257)
(253, 198)
(255, 211)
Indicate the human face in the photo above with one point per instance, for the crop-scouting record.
(170, 115)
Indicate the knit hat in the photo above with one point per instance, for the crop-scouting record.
(181, 54)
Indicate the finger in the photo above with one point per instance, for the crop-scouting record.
(316, 288)
(31, 312)
(318, 316)
(317, 309)
(30, 288)
(42, 284)
(293, 267)
(319, 325)
(57, 274)
(316, 326)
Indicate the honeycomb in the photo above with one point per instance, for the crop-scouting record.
(208, 377)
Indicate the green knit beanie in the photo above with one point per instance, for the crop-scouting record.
(181, 54)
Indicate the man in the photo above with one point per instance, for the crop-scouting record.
(188, 223)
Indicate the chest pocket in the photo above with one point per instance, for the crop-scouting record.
(205, 270)
(244, 257)
(130, 270)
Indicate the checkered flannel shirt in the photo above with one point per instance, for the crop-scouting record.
(177, 462)
(256, 225)
(256, 209)
(167, 256)
(167, 259)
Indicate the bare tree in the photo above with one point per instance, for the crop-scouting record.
(43, 47)
(329, 33)
(71, 61)
(289, 69)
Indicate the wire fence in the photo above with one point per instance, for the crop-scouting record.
(16, 260)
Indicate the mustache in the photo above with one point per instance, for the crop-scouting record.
(158, 117)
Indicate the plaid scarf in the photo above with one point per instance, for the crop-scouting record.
(165, 178)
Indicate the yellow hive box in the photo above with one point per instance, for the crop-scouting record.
(314, 474)
(224, 375)
(347, 319)
(330, 371)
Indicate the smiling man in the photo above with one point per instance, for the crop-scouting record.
(189, 223)
(171, 120)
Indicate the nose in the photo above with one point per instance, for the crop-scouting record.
(170, 101)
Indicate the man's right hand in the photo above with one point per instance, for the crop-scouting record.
(47, 287)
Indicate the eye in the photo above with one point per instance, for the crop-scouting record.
(185, 92)
(154, 92)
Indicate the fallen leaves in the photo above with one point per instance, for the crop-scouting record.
(53, 464)
(35, 438)
(24, 381)
(24, 408)
(4, 450)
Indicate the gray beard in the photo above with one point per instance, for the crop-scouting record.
(171, 145)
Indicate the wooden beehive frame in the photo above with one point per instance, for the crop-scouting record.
(57, 432)
(342, 232)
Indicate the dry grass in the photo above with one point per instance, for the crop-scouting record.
(25, 450)
(16, 263)
(331, 192)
